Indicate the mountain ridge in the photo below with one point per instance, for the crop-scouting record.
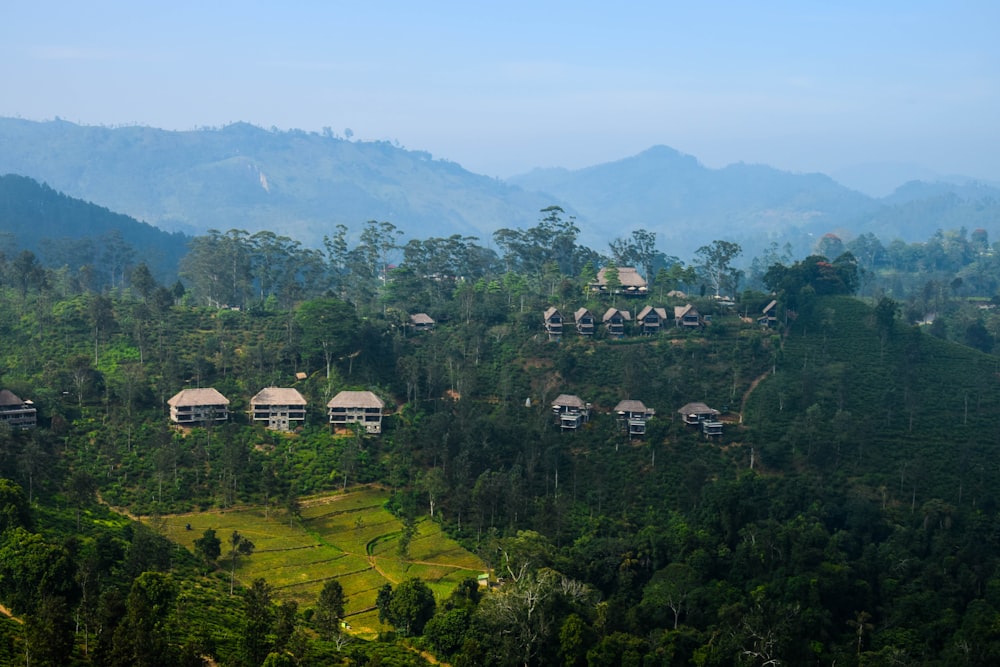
(303, 184)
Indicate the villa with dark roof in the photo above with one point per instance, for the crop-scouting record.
(16, 413)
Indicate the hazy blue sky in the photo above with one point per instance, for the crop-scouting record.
(503, 87)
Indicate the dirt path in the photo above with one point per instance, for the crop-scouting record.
(746, 394)
(118, 510)
(9, 614)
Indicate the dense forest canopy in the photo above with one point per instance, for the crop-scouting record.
(846, 514)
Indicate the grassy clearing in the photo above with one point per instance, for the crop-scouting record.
(347, 536)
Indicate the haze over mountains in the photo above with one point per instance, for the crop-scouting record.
(302, 184)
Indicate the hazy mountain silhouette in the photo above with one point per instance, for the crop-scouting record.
(302, 184)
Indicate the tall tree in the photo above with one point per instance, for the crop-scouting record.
(714, 262)
(328, 329)
(208, 546)
(329, 609)
(258, 619)
(239, 546)
(143, 638)
(639, 250)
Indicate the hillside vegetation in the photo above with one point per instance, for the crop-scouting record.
(846, 514)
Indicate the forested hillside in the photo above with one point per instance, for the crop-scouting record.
(67, 232)
(847, 513)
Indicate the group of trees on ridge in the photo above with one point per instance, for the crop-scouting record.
(815, 533)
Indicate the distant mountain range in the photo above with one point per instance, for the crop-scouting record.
(302, 184)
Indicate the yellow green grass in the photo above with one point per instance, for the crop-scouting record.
(348, 536)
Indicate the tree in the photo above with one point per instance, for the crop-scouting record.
(379, 240)
(612, 280)
(117, 256)
(553, 239)
(81, 490)
(143, 281)
(208, 546)
(978, 337)
(102, 318)
(32, 569)
(49, 633)
(447, 631)
(574, 641)
(639, 251)
(14, 509)
(670, 588)
(329, 609)
(258, 619)
(714, 263)
(328, 329)
(238, 546)
(408, 607)
(142, 639)
(27, 272)
(435, 486)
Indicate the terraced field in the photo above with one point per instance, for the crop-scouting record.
(348, 536)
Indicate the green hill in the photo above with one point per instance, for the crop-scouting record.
(846, 514)
(64, 231)
(880, 406)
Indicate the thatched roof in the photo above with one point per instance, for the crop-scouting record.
(568, 401)
(421, 318)
(8, 397)
(549, 312)
(628, 276)
(611, 313)
(581, 313)
(697, 409)
(662, 312)
(632, 406)
(278, 396)
(356, 399)
(192, 397)
(681, 311)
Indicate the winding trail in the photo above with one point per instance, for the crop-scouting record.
(746, 394)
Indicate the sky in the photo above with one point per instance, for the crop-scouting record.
(502, 88)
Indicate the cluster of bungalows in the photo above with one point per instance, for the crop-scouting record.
(15, 413)
(648, 322)
(571, 412)
(277, 408)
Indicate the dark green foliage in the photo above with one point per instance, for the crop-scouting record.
(32, 570)
(49, 633)
(208, 546)
(85, 238)
(14, 511)
(329, 609)
(845, 515)
(142, 639)
(407, 607)
(258, 620)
